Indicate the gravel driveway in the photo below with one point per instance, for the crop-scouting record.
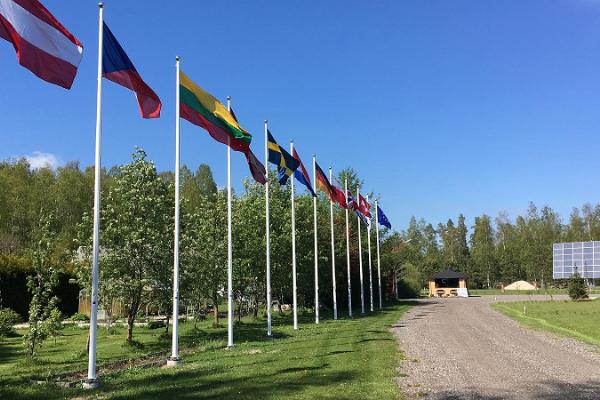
(463, 349)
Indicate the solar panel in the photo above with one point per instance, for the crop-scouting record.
(583, 257)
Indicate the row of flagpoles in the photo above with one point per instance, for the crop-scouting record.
(201, 109)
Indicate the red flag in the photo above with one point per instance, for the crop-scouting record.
(338, 193)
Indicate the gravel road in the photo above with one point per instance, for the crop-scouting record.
(462, 349)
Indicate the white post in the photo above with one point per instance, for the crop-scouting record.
(92, 381)
(335, 316)
(360, 266)
(295, 300)
(378, 257)
(316, 245)
(370, 267)
(174, 359)
(229, 247)
(348, 253)
(268, 228)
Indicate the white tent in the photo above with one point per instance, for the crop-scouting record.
(520, 285)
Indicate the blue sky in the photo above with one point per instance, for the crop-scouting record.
(441, 106)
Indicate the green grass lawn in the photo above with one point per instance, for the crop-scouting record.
(345, 359)
(495, 292)
(579, 320)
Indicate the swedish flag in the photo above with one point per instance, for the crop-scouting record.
(286, 164)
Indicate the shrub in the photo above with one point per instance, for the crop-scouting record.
(79, 317)
(577, 289)
(8, 318)
(156, 324)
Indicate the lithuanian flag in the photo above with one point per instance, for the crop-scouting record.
(202, 109)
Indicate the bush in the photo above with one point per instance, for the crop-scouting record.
(79, 317)
(8, 318)
(577, 289)
(156, 324)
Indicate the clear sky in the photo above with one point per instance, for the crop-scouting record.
(441, 106)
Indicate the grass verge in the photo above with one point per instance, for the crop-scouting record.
(344, 359)
(579, 320)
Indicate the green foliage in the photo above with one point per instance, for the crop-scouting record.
(577, 288)
(79, 317)
(8, 318)
(43, 306)
(53, 324)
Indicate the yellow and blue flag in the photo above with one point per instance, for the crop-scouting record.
(286, 164)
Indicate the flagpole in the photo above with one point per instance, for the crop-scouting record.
(378, 257)
(316, 245)
(229, 247)
(370, 268)
(295, 299)
(362, 287)
(269, 331)
(174, 359)
(348, 253)
(92, 381)
(335, 316)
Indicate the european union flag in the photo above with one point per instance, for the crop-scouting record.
(286, 164)
(382, 219)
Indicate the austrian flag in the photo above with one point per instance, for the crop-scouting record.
(43, 45)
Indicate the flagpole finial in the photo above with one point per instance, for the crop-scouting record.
(101, 5)
(292, 141)
(266, 121)
(229, 98)
(177, 58)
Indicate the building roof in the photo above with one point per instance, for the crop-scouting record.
(449, 274)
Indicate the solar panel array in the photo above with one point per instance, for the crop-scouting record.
(581, 256)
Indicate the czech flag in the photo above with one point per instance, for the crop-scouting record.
(117, 67)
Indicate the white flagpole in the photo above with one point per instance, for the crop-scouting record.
(370, 267)
(92, 381)
(269, 331)
(174, 359)
(348, 253)
(362, 287)
(229, 247)
(378, 257)
(335, 316)
(295, 299)
(316, 246)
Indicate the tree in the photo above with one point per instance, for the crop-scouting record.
(483, 252)
(136, 237)
(42, 286)
(577, 289)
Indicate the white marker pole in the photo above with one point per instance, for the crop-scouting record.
(378, 257)
(229, 248)
(348, 253)
(92, 381)
(335, 316)
(295, 298)
(360, 266)
(316, 245)
(268, 228)
(174, 359)
(370, 266)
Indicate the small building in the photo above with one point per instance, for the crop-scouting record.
(448, 284)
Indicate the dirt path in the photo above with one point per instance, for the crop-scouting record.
(463, 349)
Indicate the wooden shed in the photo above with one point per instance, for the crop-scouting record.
(448, 284)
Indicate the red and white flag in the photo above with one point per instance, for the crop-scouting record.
(365, 207)
(43, 45)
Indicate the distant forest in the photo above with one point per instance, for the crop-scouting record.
(492, 251)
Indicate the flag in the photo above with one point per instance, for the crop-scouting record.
(301, 174)
(382, 219)
(350, 200)
(365, 207)
(257, 169)
(117, 67)
(323, 183)
(43, 45)
(286, 164)
(338, 193)
(202, 109)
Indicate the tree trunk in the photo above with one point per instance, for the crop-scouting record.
(167, 324)
(130, 321)
(239, 311)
